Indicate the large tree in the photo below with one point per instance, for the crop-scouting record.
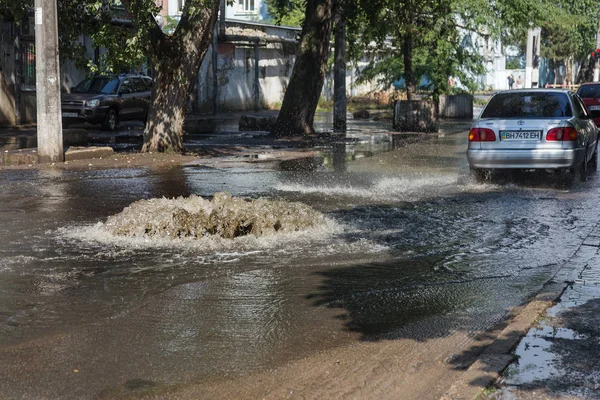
(301, 98)
(438, 39)
(176, 61)
(175, 58)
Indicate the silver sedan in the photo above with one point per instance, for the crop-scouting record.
(534, 129)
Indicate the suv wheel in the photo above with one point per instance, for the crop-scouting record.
(111, 120)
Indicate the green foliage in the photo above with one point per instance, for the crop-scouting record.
(287, 12)
(123, 29)
(436, 30)
(436, 45)
(574, 33)
(170, 25)
(108, 26)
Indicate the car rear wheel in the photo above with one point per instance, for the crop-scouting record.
(593, 162)
(480, 174)
(111, 120)
(581, 171)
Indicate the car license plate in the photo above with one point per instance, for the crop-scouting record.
(520, 135)
(594, 108)
(70, 115)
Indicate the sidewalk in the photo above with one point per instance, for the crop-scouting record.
(560, 356)
(551, 348)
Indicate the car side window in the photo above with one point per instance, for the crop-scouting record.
(125, 87)
(148, 82)
(582, 110)
(138, 85)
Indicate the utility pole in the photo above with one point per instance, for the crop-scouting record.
(339, 72)
(49, 123)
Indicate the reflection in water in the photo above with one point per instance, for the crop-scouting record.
(339, 156)
(53, 191)
(170, 182)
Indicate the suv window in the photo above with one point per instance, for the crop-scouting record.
(126, 86)
(148, 82)
(528, 105)
(97, 85)
(139, 85)
(589, 91)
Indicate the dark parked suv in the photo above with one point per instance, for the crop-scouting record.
(107, 100)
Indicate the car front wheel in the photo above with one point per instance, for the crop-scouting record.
(111, 120)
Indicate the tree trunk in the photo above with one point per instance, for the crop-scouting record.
(339, 74)
(168, 107)
(176, 60)
(301, 98)
(408, 66)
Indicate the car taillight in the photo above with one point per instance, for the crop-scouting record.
(481, 135)
(562, 134)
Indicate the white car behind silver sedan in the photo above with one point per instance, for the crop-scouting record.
(546, 129)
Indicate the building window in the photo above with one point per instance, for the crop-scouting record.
(246, 5)
(27, 64)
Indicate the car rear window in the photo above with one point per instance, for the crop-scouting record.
(528, 105)
(589, 91)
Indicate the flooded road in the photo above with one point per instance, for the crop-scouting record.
(412, 250)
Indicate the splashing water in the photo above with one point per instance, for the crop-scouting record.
(225, 216)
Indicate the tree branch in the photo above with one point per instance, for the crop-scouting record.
(141, 14)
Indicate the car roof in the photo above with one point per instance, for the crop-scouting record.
(536, 90)
(589, 84)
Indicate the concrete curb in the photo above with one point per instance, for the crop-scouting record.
(18, 157)
(499, 354)
(30, 156)
(23, 139)
(81, 153)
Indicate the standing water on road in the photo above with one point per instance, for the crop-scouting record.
(400, 245)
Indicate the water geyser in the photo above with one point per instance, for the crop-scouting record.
(224, 216)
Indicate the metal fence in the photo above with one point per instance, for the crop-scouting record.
(27, 64)
(456, 106)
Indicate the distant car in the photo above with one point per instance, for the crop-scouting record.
(107, 100)
(547, 129)
(590, 94)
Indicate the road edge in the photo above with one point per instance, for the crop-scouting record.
(488, 367)
(498, 355)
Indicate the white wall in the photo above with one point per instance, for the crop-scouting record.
(240, 10)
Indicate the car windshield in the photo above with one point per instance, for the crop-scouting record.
(98, 85)
(528, 105)
(589, 91)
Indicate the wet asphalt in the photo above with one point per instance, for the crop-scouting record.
(416, 251)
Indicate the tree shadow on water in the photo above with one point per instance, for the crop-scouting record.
(388, 300)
